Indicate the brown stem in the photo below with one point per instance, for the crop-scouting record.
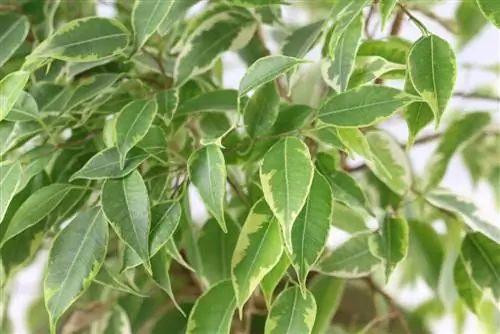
(477, 96)
(397, 23)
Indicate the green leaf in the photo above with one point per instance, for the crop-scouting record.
(346, 190)
(257, 251)
(175, 254)
(125, 204)
(394, 49)
(132, 124)
(417, 114)
(224, 31)
(11, 88)
(386, 8)
(24, 110)
(216, 250)
(147, 15)
(214, 101)
(160, 265)
(292, 118)
(75, 258)
(372, 68)
(110, 279)
(310, 230)
(466, 210)
(390, 244)
(301, 40)
(13, 31)
(106, 164)
(461, 132)
(286, 175)
(466, 288)
(167, 101)
(390, 163)
(176, 12)
(348, 219)
(327, 292)
(337, 71)
(432, 69)
(482, 259)
(346, 12)
(352, 259)
(292, 312)
(84, 40)
(355, 142)
(155, 143)
(10, 177)
(173, 321)
(491, 10)
(40, 204)
(262, 110)
(91, 87)
(273, 278)
(165, 218)
(219, 300)
(266, 69)
(207, 172)
(470, 21)
(364, 106)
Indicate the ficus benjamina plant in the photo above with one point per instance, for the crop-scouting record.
(181, 166)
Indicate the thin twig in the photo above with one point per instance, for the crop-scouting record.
(477, 96)
(378, 320)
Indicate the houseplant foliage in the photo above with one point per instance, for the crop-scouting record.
(116, 132)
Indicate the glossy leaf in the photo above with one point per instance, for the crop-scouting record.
(147, 16)
(327, 292)
(394, 49)
(176, 11)
(165, 219)
(10, 177)
(214, 101)
(262, 110)
(11, 88)
(286, 175)
(13, 31)
(417, 114)
(160, 265)
(273, 278)
(491, 10)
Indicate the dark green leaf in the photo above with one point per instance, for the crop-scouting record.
(11, 88)
(262, 110)
(491, 10)
(327, 292)
(13, 30)
(10, 177)
(147, 16)
(215, 101)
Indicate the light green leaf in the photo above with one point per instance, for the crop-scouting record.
(292, 312)
(461, 132)
(11, 88)
(355, 142)
(466, 210)
(301, 40)
(390, 163)
(348, 219)
(176, 12)
(390, 244)
(393, 49)
(132, 124)
(160, 266)
(466, 288)
(372, 68)
(125, 204)
(352, 259)
(75, 258)
(175, 254)
(482, 259)
(346, 190)
(266, 69)
(346, 12)
(214, 101)
(227, 30)
(386, 8)
(364, 106)
(327, 292)
(107, 278)
(262, 110)
(24, 110)
(40, 204)
(207, 172)
(257, 251)
(167, 101)
(13, 31)
(10, 177)
(216, 250)
(337, 71)
(310, 230)
(417, 114)
(491, 10)
(272, 279)
(219, 300)
(91, 87)
(84, 40)
(147, 15)
(106, 164)
(432, 68)
(155, 143)
(286, 175)
(470, 21)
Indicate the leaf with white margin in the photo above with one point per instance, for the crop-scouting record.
(491, 10)
(466, 210)
(292, 312)
(10, 178)
(346, 190)
(352, 259)
(390, 163)
(300, 41)
(261, 111)
(11, 88)
(220, 300)
(176, 12)
(482, 260)
(370, 69)
(147, 15)
(227, 30)
(310, 230)
(75, 258)
(24, 110)
(13, 31)
(286, 175)
(258, 250)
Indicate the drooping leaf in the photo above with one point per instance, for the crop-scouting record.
(147, 15)
(391, 243)
(10, 177)
(11, 88)
(176, 12)
(482, 259)
(310, 230)
(456, 136)
(75, 258)
(13, 31)
(214, 101)
(125, 204)
(262, 110)
(352, 259)
(175, 254)
(386, 8)
(84, 40)
(292, 312)
(491, 10)
(110, 279)
(364, 106)
(466, 210)
(300, 41)
(432, 69)
(272, 279)
(286, 175)
(466, 288)
(160, 265)
(132, 124)
(417, 114)
(257, 251)
(207, 172)
(327, 292)
(220, 300)
(266, 69)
